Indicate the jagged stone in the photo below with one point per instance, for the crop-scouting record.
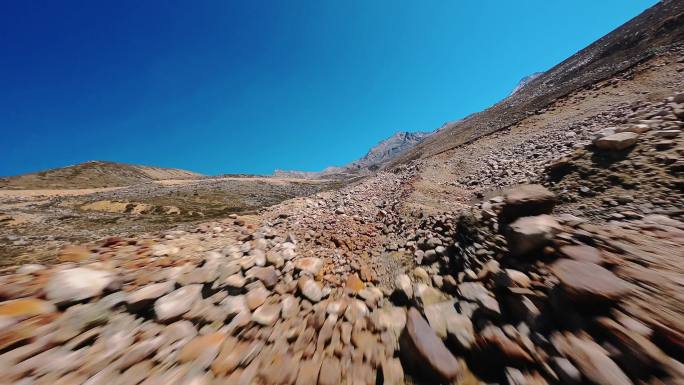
(421, 347)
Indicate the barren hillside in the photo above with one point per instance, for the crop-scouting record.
(93, 174)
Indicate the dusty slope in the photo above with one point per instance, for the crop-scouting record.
(639, 39)
(94, 174)
(343, 287)
(518, 154)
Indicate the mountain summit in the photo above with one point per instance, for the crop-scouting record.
(379, 155)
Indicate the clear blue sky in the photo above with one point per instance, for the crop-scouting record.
(250, 86)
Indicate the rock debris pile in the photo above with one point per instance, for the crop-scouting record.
(577, 279)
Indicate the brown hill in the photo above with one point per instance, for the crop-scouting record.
(639, 39)
(93, 174)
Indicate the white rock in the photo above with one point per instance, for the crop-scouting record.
(77, 284)
(177, 303)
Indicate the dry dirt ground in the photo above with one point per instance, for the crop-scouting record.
(428, 274)
(35, 223)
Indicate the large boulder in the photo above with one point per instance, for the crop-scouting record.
(617, 142)
(526, 200)
(178, 302)
(530, 234)
(78, 284)
(309, 265)
(424, 351)
(588, 283)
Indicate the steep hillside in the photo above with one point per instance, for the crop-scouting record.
(524, 81)
(93, 174)
(637, 40)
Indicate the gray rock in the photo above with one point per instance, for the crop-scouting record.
(267, 314)
(177, 303)
(530, 234)
(146, 295)
(422, 347)
(403, 286)
(310, 289)
(617, 142)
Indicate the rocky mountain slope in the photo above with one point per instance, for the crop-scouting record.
(93, 174)
(379, 155)
(524, 81)
(549, 252)
(640, 39)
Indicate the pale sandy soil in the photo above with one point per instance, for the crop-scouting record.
(52, 193)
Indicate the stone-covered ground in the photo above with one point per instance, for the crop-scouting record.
(575, 279)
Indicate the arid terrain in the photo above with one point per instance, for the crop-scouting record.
(38, 215)
(547, 248)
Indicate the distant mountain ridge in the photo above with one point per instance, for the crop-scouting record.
(378, 155)
(94, 174)
(524, 81)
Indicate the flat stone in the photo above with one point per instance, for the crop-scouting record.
(356, 310)
(426, 295)
(589, 283)
(290, 306)
(279, 369)
(267, 275)
(392, 319)
(527, 200)
(310, 289)
(518, 278)
(403, 286)
(331, 372)
(236, 281)
(229, 356)
(30, 268)
(592, 360)
(77, 284)
(25, 308)
(235, 305)
(371, 295)
(501, 345)
(422, 346)
(582, 253)
(617, 142)
(267, 314)
(473, 291)
(177, 303)
(308, 372)
(530, 234)
(144, 297)
(310, 265)
(392, 372)
(460, 330)
(202, 350)
(74, 253)
(256, 297)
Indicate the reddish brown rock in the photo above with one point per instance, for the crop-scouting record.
(530, 234)
(589, 283)
(330, 373)
(527, 200)
(25, 308)
(74, 253)
(354, 284)
(202, 350)
(308, 372)
(591, 359)
(422, 349)
(582, 253)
